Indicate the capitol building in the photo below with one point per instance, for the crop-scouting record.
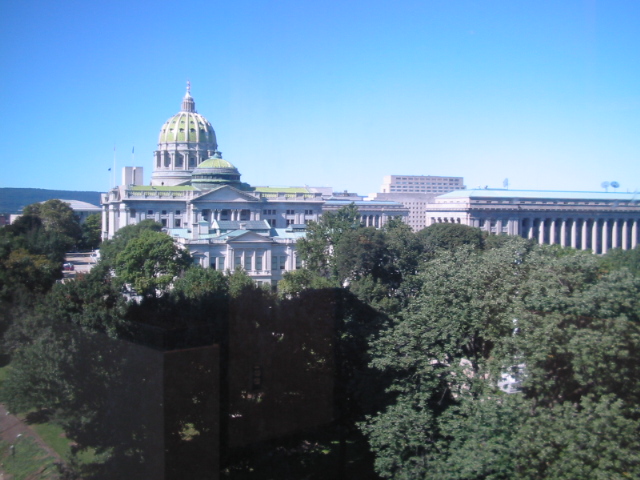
(200, 200)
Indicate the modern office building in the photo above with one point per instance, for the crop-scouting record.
(415, 192)
(416, 203)
(421, 184)
(598, 221)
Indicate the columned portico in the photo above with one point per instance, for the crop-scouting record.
(596, 221)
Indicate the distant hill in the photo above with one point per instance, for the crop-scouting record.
(13, 200)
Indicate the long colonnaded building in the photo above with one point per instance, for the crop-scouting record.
(226, 224)
(596, 221)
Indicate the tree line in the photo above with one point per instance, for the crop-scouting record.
(430, 325)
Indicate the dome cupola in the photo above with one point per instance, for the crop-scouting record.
(185, 140)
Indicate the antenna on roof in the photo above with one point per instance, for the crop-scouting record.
(605, 185)
(505, 183)
(614, 185)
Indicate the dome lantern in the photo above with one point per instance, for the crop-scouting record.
(188, 103)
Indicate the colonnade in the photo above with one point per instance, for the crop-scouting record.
(230, 214)
(176, 160)
(374, 220)
(597, 234)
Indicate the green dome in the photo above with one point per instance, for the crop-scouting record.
(215, 171)
(187, 127)
(216, 162)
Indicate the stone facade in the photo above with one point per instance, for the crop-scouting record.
(200, 200)
(596, 221)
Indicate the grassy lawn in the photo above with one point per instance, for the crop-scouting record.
(28, 461)
(52, 434)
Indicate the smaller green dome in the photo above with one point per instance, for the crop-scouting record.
(216, 162)
(213, 172)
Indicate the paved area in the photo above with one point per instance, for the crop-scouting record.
(11, 426)
(82, 263)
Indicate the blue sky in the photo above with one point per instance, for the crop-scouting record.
(327, 93)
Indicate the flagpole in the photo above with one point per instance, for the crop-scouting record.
(114, 165)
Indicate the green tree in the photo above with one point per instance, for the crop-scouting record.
(317, 249)
(91, 232)
(450, 236)
(617, 258)
(110, 249)
(150, 262)
(294, 282)
(58, 218)
(512, 309)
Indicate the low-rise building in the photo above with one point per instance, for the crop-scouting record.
(597, 221)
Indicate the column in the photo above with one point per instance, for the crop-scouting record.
(574, 233)
(625, 234)
(594, 236)
(499, 226)
(105, 222)
(615, 243)
(541, 228)
(552, 232)
(112, 221)
(530, 234)
(584, 233)
(605, 236)
(563, 233)
(193, 214)
(124, 215)
(634, 234)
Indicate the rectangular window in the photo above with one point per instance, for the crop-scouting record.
(238, 262)
(283, 262)
(132, 213)
(176, 223)
(298, 262)
(164, 212)
(274, 262)
(259, 261)
(177, 212)
(164, 222)
(290, 212)
(149, 212)
(290, 222)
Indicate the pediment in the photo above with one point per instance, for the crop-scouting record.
(225, 194)
(250, 237)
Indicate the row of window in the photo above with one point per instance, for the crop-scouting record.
(289, 212)
(252, 262)
(150, 212)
